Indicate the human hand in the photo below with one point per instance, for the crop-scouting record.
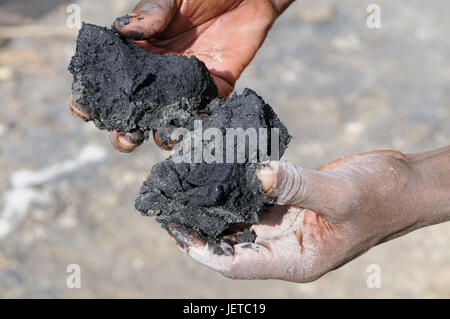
(350, 206)
(224, 34)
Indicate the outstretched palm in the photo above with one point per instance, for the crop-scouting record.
(224, 34)
(301, 245)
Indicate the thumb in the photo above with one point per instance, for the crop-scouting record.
(149, 19)
(329, 194)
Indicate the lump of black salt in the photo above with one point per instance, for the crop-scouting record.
(130, 89)
(214, 198)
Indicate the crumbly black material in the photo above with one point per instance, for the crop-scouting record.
(130, 89)
(214, 197)
(246, 237)
(124, 20)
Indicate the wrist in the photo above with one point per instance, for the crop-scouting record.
(433, 184)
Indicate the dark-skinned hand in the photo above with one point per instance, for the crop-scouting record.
(224, 34)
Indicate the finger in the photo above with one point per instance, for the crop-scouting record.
(264, 260)
(224, 87)
(188, 239)
(149, 19)
(327, 193)
(260, 260)
(218, 257)
(82, 112)
(242, 263)
(277, 259)
(125, 142)
(168, 137)
(185, 238)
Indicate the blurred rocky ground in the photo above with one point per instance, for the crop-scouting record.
(67, 198)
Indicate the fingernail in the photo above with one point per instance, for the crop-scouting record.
(125, 145)
(218, 250)
(167, 138)
(120, 142)
(125, 20)
(223, 248)
(80, 111)
(134, 137)
(121, 22)
(180, 234)
(267, 178)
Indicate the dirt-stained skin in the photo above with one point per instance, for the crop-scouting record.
(328, 217)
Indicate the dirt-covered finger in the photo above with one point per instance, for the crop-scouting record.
(125, 142)
(149, 19)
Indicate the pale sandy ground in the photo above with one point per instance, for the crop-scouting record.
(340, 87)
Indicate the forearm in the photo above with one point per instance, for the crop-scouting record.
(281, 5)
(433, 170)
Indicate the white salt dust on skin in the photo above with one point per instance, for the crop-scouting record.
(18, 200)
(276, 254)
